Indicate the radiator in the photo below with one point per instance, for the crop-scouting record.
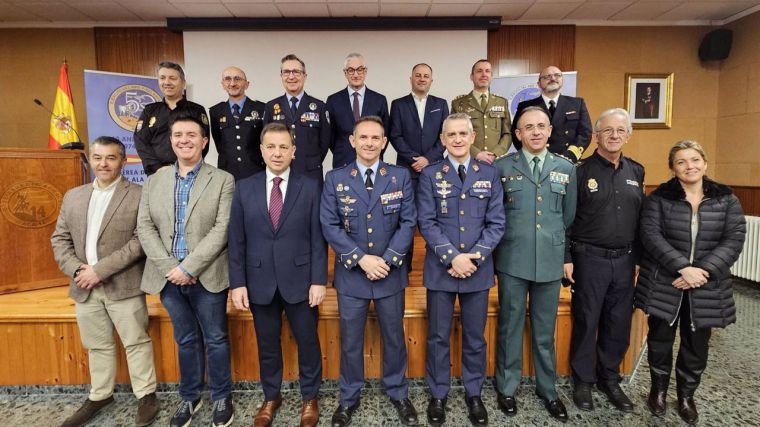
(748, 265)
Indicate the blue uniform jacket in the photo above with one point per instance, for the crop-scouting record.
(459, 218)
(355, 223)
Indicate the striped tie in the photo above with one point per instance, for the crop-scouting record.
(275, 202)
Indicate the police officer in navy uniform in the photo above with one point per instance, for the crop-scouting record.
(571, 123)
(368, 217)
(236, 126)
(152, 130)
(539, 196)
(461, 217)
(304, 115)
(601, 262)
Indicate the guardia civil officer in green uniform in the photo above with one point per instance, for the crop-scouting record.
(539, 200)
(489, 114)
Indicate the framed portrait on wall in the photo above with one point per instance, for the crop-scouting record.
(649, 99)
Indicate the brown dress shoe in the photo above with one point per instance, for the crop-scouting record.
(147, 409)
(86, 412)
(267, 411)
(687, 409)
(310, 413)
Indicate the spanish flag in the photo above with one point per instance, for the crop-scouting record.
(63, 123)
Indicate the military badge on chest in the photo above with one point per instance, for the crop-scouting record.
(444, 190)
(345, 208)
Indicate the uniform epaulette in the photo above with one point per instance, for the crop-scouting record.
(461, 96)
(498, 96)
(628, 159)
(564, 158)
(343, 167)
(506, 155)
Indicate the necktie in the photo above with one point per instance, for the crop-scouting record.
(483, 102)
(462, 173)
(275, 203)
(368, 181)
(536, 170)
(355, 107)
(236, 113)
(293, 106)
(552, 108)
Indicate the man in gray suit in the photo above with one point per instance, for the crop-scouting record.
(95, 243)
(182, 224)
(539, 200)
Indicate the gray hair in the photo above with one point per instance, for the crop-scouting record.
(620, 112)
(532, 108)
(109, 140)
(459, 116)
(350, 56)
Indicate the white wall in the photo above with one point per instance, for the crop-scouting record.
(389, 56)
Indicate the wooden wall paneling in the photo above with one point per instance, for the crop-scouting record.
(749, 198)
(137, 50)
(524, 49)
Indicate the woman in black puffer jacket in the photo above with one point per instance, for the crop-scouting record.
(692, 231)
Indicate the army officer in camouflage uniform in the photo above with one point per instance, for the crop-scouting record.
(489, 114)
(539, 200)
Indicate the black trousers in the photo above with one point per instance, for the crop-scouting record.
(692, 353)
(602, 306)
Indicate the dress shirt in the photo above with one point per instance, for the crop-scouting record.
(547, 99)
(361, 97)
(239, 104)
(299, 97)
(456, 164)
(283, 185)
(99, 201)
(363, 170)
(421, 103)
(182, 188)
(529, 158)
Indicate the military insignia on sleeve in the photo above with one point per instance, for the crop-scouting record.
(276, 108)
(204, 119)
(223, 119)
(139, 126)
(312, 106)
(383, 172)
(592, 185)
(152, 122)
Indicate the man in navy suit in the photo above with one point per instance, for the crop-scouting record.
(236, 127)
(461, 217)
(347, 105)
(278, 261)
(305, 116)
(368, 217)
(571, 123)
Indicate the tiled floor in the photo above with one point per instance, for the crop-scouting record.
(728, 395)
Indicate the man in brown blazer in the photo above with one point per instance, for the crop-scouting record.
(182, 223)
(95, 243)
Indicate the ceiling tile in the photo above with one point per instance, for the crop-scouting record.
(342, 10)
(399, 9)
(550, 11)
(303, 9)
(9, 13)
(597, 11)
(710, 10)
(458, 1)
(508, 12)
(453, 9)
(58, 13)
(405, 1)
(643, 11)
(152, 10)
(246, 1)
(254, 10)
(102, 11)
(201, 10)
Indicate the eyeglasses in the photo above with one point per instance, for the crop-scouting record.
(295, 73)
(230, 79)
(358, 71)
(556, 76)
(611, 131)
(540, 126)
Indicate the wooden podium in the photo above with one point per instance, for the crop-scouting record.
(32, 185)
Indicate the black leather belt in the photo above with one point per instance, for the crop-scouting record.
(601, 252)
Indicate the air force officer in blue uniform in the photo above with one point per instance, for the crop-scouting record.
(368, 217)
(461, 217)
(278, 262)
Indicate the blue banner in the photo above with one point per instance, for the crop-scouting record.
(114, 104)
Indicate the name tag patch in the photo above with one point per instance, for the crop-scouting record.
(631, 182)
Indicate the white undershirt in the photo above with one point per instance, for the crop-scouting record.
(283, 185)
(421, 104)
(99, 201)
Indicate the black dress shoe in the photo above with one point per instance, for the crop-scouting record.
(342, 415)
(507, 404)
(657, 402)
(616, 396)
(687, 409)
(406, 412)
(477, 412)
(582, 397)
(436, 412)
(556, 409)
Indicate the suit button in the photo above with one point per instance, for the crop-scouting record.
(369, 230)
(293, 126)
(370, 244)
(461, 246)
(443, 256)
(461, 228)
(477, 253)
(481, 196)
(400, 262)
(450, 251)
(538, 185)
(237, 136)
(348, 262)
(539, 213)
(239, 159)
(461, 213)
(395, 258)
(369, 216)
(462, 196)
(485, 126)
(538, 226)
(566, 132)
(355, 256)
(237, 126)
(540, 199)
(238, 147)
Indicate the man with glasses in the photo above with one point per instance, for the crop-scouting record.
(601, 261)
(236, 125)
(489, 113)
(539, 200)
(347, 105)
(571, 124)
(304, 115)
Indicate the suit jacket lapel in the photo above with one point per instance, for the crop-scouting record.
(452, 176)
(559, 113)
(475, 103)
(291, 195)
(357, 183)
(81, 219)
(412, 105)
(381, 181)
(201, 181)
(120, 192)
(260, 198)
(521, 164)
(548, 167)
(472, 175)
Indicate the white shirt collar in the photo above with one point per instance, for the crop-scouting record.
(285, 175)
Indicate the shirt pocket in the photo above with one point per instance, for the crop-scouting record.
(391, 213)
(481, 196)
(512, 193)
(558, 193)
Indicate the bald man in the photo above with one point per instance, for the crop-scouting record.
(571, 124)
(236, 126)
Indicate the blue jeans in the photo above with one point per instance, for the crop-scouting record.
(197, 313)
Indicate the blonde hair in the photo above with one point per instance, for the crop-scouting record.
(685, 145)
